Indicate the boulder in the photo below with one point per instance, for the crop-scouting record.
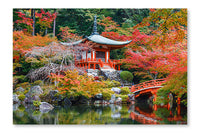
(98, 102)
(52, 93)
(84, 100)
(116, 90)
(105, 102)
(99, 96)
(92, 72)
(74, 99)
(45, 107)
(66, 102)
(15, 106)
(118, 100)
(15, 98)
(20, 89)
(52, 98)
(33, 94)
(112, 100)
(35, 90)
(111, 74)
(30, 99)
(131, 97)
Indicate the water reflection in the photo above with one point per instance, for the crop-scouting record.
(154, 114)
(102, 114)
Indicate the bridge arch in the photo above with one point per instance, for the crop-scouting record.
(147, 87)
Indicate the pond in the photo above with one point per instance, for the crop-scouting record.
(138, 113)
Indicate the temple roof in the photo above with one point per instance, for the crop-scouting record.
(96, 38)
(103, 40)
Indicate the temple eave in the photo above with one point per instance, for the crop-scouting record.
(106, 41)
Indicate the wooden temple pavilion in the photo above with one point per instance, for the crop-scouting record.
(99, 57)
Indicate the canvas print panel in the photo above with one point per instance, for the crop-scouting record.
(100, 66)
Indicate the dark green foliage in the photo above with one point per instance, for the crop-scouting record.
(27, 66)
(162, 96)
(117, 53)
(81, 20)
(162, 113)
(127, 76)
(20, 78)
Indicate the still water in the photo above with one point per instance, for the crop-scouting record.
(101, 114)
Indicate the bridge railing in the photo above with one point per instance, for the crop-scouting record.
(147, 84)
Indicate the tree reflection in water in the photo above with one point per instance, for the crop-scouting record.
(102, 114)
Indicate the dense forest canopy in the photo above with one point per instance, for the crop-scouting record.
(81, 20)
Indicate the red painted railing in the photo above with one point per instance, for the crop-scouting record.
(85, 62)
(147, 84)
(110, 63)
(100, 63)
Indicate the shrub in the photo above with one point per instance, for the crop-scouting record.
(36, 103)
(24, 85)
(125, 90)
(116, 83)
(26, 90)
(126, 75)
(73, 84)
(107, 93)
(38, 82)
(19, 91)
(22, 97)
(124, 98)
(21, 107)
(20, 78)
(110, 84)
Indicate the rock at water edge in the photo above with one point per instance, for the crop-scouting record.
(112, 100)
(15, 98)
(35, 90)
(119, 100)
(45, 107)
(116, 90)
(33, 94)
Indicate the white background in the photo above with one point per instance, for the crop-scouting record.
(6, 65)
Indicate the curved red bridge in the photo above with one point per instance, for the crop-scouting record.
(149, 86)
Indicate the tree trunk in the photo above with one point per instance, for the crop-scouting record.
(54, 25)
(46, 31)
(33, 17)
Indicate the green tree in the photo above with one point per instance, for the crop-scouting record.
(126, 75)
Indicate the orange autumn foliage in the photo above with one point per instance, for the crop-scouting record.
(24, 42)
(73, 84)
